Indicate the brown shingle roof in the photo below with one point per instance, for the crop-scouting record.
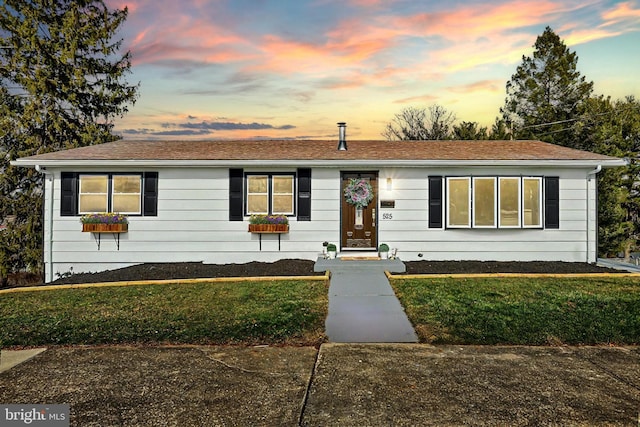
(307, 150)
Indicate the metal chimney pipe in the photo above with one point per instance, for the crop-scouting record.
(342, 142)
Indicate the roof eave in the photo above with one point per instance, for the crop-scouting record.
(27, 162)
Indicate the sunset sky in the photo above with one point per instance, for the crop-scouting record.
(236, 69)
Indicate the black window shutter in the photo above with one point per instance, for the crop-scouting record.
(435, 202)
(304, 194)
(150, 198)
(69, 194)
(552, 202)
(236, 196)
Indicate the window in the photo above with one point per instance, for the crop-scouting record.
(532, 202)
(459, 202)
(126, 194)
(110, 193)
(490, 202)
(509, 203)
(270, 194)
(282, 199)
(484, 202)
(132, 194)
(257, 195)
(94, 194)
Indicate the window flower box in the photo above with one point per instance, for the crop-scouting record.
(268, 228)
(268, 224)
(104, 223)
(105, 228)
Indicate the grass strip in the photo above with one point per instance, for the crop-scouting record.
(245, 312)
(526, 311)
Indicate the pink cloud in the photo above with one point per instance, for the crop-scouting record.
(168, 30)
(622, 12)
(479, 86)
(467, 23)
(620, 19)
(423, 99)
(348, 45)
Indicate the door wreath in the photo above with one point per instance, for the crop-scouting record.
(358, 192)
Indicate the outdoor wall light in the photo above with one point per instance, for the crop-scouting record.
(389, 184)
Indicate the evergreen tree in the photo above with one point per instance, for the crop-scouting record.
(613, 128)
(546, 93)
(500, 131)
(62, 83)
(469, 131)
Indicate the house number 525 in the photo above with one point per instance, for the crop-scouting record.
(387, 216)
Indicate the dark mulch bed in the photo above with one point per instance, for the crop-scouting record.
(193, 270)
(301, 267)
(470, 267)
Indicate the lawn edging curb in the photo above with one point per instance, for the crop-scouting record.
(506, 275)
(324, 278)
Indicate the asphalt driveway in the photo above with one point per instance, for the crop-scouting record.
(339, 384)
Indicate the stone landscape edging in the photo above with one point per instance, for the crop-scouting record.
(490, 275)
(324, 278)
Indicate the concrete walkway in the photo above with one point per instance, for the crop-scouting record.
(618, 264)
(362, 305)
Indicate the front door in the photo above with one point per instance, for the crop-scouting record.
(359, 220)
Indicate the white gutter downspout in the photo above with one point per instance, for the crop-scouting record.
(591, 175)
(49, 219)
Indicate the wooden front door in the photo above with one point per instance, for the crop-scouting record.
(359, 223)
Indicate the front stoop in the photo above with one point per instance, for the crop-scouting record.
(382, 265)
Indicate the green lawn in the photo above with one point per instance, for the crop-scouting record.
(291, 312)
(530, 311)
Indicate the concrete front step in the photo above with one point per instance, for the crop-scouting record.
(358, 255)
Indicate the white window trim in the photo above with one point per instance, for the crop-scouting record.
(496, 180)
(109, 194)
(520, 207)
(447, 188)
(292, 194)
(80, 193)
(248, 177)
(474, 199)
(540, 202)
(139, 194)
(270, 193)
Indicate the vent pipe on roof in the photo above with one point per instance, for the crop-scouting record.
(342, 142)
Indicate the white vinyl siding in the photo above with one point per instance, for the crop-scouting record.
(193, 224)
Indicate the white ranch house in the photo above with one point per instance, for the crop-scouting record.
(433, 200)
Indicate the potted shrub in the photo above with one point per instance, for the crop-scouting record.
(332, 250)
(269, 224)
(383, 251)
(104, 222)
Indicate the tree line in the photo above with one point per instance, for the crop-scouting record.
(548, 99)
(63, 82)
